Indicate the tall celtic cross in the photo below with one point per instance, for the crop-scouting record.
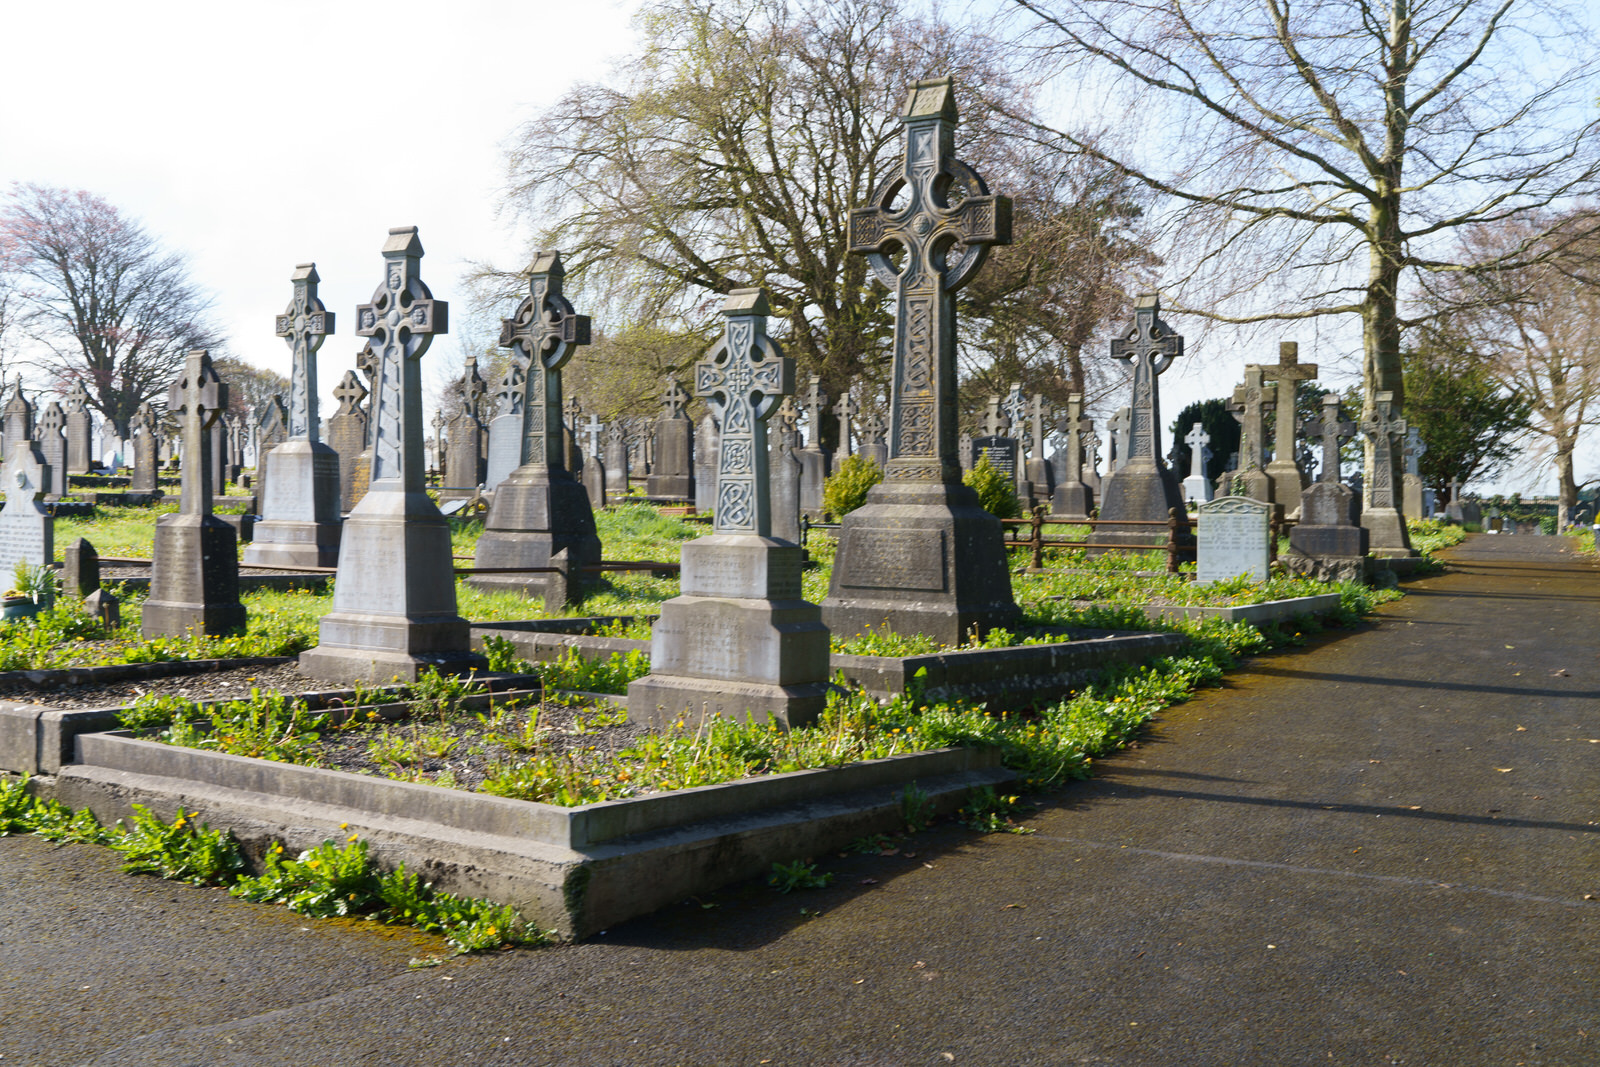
(816, 401)
(304, 325)
(1015, 406)
(1149, 347)
(846, 411)
(401, 321)
(197, 398)
(1250, 405)
(1412, 451)
(1197, 439)
(438, 437)
(473, 387)
(544, 334)
(945, 230)
(572, 410)
(1079, 431)
(1287, 374)
(744, 377)
(674, 401)
(1384, 428)
(1331, 431)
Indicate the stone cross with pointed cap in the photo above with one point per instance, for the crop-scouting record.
(544, 333)
(401, 320)
(1383, 429)
(1197, 439)
(1078, 431)
(197, 398)
(1149, 347)
(744, 377)
(816, 402)
(945, 230)
(1250, 405)
(1331, 431)
(304, 325)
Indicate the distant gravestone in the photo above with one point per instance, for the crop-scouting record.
(616, 461)
(80, 431)
(1001, 452)
(1386, 526)
(53, 446)
(815, 463)
(875, 439)
(671, 476)
(347, 436)
(1197, 487)
(707, 445)
(507, 427)
(146, 450)
(783, 467)
(1016, 408)
(1233, 539)
(1286, 374)
(27, 532)
(466, 450)
(1412, 493)
(272, 430)
(594, 464)
(80, 569)
(1041, 479)
(16, 419)
(1251, 402)
(1073, 498)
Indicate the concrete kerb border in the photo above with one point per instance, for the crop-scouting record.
(1271, 611)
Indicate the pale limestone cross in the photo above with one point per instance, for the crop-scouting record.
(304, 325)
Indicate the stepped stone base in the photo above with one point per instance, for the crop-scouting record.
(194, 579)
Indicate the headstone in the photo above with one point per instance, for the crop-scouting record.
(27, 532)
(784, 469)
(16, 421)
(1016, 408)
(80, 569)
(367, 364)
(1073, 499)
(103, 605)
(506, 429)
(815, 463)
(671, 476)
(300, 498)
(1328, 542)
(1040, 478)
(618, 471)
(541, 516)
(1471, 511)
(394, 599)
(845, 411)
(1453, 510)
(1251, 402)
(1091, 463)
(707, 443)
(109, 442)
(875, 439)
(594, 465)
(272, 430)
(347, 436)
(1386, 526)
(922, 556)
(440, 455)
(466, 450)
(1287, 374)
(572, 453)
(739, 641)
(1001, 452)
(146, 451)
(80, 431)
(1197, 487)
(236, 443)
(53, 446)
(1233, 539)
(1143, 487)
(194, 564)
(1411, 498)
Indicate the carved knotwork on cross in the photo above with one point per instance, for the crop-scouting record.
(1332, 431)
(1079, 431)
(349, 393)
(743, 378)
(197, 397)
(401, 320)
(945, 230)
(1383, 429)
(1149, 346)
(544, 333)
(1250, 405)
(304, 325)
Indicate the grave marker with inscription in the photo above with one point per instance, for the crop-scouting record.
(347, 436)
(27, 532)
(671, 474)
(506, 428)
(1233, 539)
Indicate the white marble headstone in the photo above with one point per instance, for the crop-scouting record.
(1233, 539)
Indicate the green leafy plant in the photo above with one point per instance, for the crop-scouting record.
(846, 488)
(502, 655)
(787, 877)
(441, 694)
(178, 851)
(989, 812)
(996, 492)
(916, 808)
(610, 675)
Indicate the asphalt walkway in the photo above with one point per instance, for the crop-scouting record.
(1378, 849)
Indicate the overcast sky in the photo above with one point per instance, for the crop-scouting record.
(253, 137)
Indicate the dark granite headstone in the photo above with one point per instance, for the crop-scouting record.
(80, 569)
(672, 474)
(1001, 452)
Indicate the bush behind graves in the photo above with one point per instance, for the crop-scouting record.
(846, 488)
(996, 492)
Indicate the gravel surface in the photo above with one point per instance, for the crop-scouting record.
(210, 685)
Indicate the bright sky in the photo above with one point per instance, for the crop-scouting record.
(256, 137)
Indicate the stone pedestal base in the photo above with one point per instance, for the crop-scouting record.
(670, 487)
(300, 522)
(920, 557)
(1072, 500)
(740, 643)
(194, 579)
(1144, 493)
(1328, 541)
(534, 518)
(1386, 530)
(1197, 489)
(394, 599)
(1287, 484)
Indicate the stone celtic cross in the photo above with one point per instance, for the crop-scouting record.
(1197, 439)
(349, 393)
(1331, 431)
(744, 377)
(53, 420)
(401, 320)
(1412, 451)
(846, 411)
(438, 437)
(1286, 374)
(592, 432)
(1149, 346)
(1015, 406)
(77, 398)
(1383, 430)
(544, 334)
(674, 401)
(816, 402)
(304, 325)
(197, 398)
(1079, 431)
(511, 389)
(1119, 427)
(995, 422)
(945, 230)
(1036, 421)
(1250, 405)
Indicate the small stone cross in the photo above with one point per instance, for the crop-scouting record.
(1149, 346)
(1332, 431)
(995, 422)
(78, 397)
(744, 377)
(304, 324)
(438, 437)
(674, 401)
(1036, 420)
(1197, 439)
(1383, 429)
(197, 397)
(1287, 373)
(1250, 405)
(1079, 431)
(1120, 426)
(1015, 406)
(1413, 450)
(349, 393)
(510, 389)
(592, 431)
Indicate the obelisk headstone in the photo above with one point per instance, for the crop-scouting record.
(80, 431)
(1386, 526)
(671, 476)
(922, 556)
(739, 641)
(194, 565)
(394, 599)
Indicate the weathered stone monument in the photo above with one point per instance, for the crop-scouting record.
(1233, 539)
(1411, 497)
(1016, 409)
(80, 431)
(1040, 478)
(1197, 487)
(671, 476)
(16, 420)
(272, 430)
(739, 641)
(1287, 478)
(594, 465)
(1073, 498)
(845, 411)
(1327, 542)
(815, 463)
(1251, 403)
(1143, 488)
(618, 472)
(875, 439)
(80, 568)
(146, 451)
(27, 532)
(394, 601)
(706, 445)
(53, 446)
(194, 566)
(507, 428)
(1380, 514)
(300, 522)
(464, 454)
(922, 556)
(347, 435)
(783, 468)
(541, 515)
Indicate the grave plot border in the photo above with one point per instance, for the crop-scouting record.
(1268, 612)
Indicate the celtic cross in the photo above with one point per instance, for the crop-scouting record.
(1383, 429)
(995, 423)
(846, 411)
(674, 400)
(1015, 406)
(1332, 431)
(401, 320)
(78, 398)
(1149, 346)
(816, 404)
(1036, 417)
(349, 393)
(197, 397)
(543, 334)
(744, 377)
(1118, 426)
(510, 391)
(944, 231)
(1197, 440)
(592, 432)
(52, 420)
(1413, 450)
(438, 437)
(304, 325)
(1250, 405)
(1079, 431)
(1286, 373)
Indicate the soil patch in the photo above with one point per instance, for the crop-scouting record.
(210, 685)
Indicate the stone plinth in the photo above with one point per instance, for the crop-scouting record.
(1143, 492)
(536, 514)
(1071, 500)
(740, 642)
(300, 508)
(672, 475)
(194, 578)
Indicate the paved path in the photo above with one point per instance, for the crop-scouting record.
(1379, 849)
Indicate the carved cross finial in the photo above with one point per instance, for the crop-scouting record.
(743, 378)
(1149, 346)
(197, 397)
(674, 401)
(304, 325)
(349, 393)
(544, 333)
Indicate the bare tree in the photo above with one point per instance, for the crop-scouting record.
(100, 301)
(1318, 157)
(250, 387)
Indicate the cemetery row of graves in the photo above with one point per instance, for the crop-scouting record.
(549, 639)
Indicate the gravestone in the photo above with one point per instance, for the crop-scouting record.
(440, 459)
(1287, 478)
(1471, 511)
(217, 453)
(922, 556)
(146, 451)
(815, 463)
(367, 364)
(299, 497)
(594, 464)
(618, 471)
(1016, 409)
(80, 431)
(1197, 487)
(1233, 539)
(845, 411)
(16, 420)
(394, 599)
(1091, 462)
(53, 446)
(875, 439)
(466, 450)
(1380, 514)
(1001, 452)
(110, 443)
(27, 532)
(1143, 488)
(236, 440)
(1411, 497)
(1040, 478)
(783, 469)
(506, 429)
(671, 476)
(1251, 402)
(739, 641)
(572, 454)
(1327, 542)
(706, 456)
(80, 569)
(194, 564)
(272, 430)
(347, 436)
(541, 515)
(1453, 510)
(1073, 498)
